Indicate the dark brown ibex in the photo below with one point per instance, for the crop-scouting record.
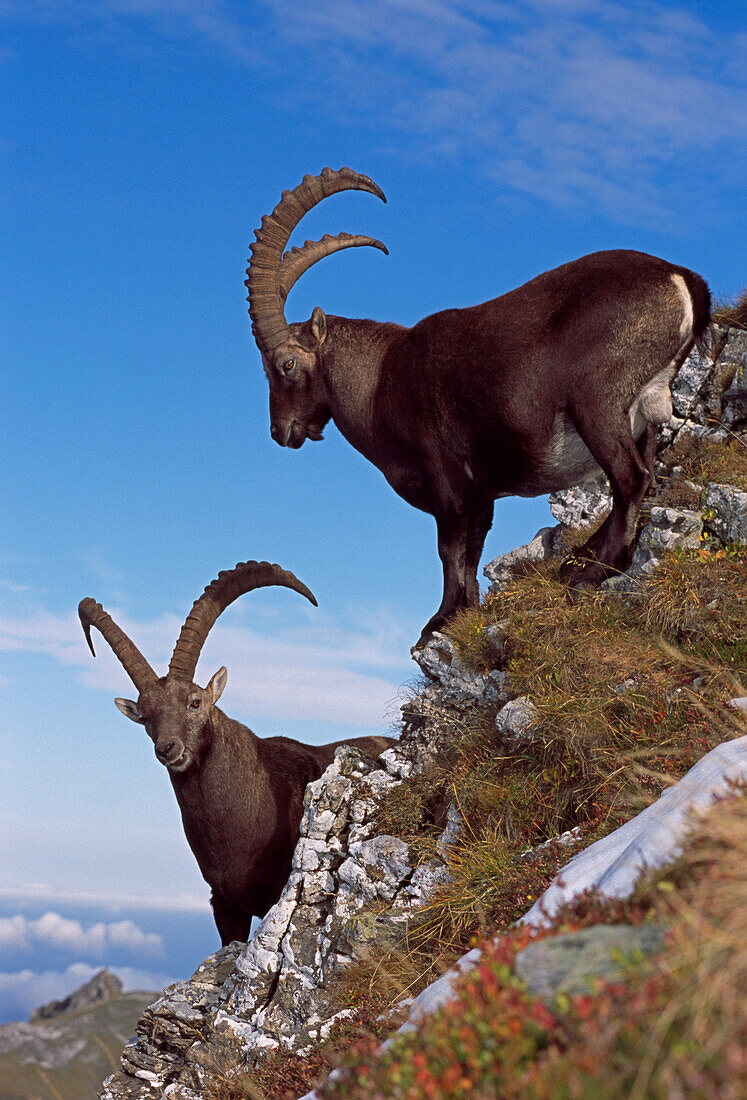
(240, 796)
(528, 393)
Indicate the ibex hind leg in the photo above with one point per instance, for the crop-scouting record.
(630, 469)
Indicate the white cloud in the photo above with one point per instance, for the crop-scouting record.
(495, 86)
(62, 934)
(576, 102)
(42, 893)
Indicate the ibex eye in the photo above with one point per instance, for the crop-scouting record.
(194, 703)
(288, 365)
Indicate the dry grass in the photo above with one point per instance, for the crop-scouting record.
(704, 1026)
(628, 696)
(701, 462)
(698, 601)
(731, 311)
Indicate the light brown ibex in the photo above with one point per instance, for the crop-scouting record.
(240, 796)
(531, 392)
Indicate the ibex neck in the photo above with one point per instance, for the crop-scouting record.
(351, 363)
(220, 789)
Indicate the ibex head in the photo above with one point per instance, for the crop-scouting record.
(175, 711)
(290, 353)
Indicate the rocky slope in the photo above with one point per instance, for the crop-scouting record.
(350, 886)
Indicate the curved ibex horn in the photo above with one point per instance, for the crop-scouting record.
(129, 656)
(265, 299)
(299, 260)
(227, 587)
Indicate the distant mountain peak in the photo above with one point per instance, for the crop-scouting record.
(101, 987)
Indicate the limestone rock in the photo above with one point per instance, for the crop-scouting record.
(570, 963)
(271, 992)
(516, 719)
(690, 381)
(668, 529)
(544, 545)
(582, 505)
(457, 685)
(734, 401)
(726, 512)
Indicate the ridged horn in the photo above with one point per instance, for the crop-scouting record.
(129, 656)
(299, 260)
(269, 325)
(227, 587)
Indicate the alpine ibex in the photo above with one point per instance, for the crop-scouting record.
(528, 393)
(240, 796)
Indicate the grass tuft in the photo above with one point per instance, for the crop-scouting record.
(731, 311)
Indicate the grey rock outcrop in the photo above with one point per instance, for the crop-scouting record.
(544, 545)
(733, 361)
(726, 513)
(572, 962)
(582, 505)
(272, 992)
(517, 718)
(453, 684)
(668, 529)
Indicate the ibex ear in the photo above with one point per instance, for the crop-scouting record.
(130, 710)
(319, 325)
(214, 690)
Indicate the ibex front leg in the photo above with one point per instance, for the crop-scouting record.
(461, 537)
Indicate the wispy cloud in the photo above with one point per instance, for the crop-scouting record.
(319, 670)
(577, 101)
(52, 931)
(42, 893)
(591, 102)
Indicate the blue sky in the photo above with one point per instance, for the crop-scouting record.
(140, 143)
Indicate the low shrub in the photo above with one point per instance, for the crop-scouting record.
(676, 1026)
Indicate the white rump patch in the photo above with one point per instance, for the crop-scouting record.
(686, 324)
